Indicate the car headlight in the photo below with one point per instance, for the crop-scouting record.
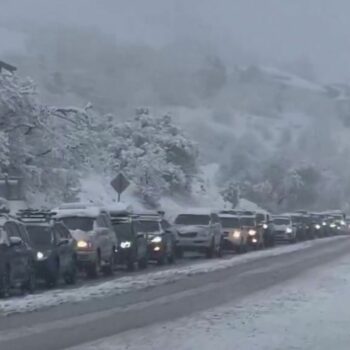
(125, 244)
(156, 239)
(40, 256)
(317, 227)
(289, 230)
(252, 232)
(236, 234)
(83, 244)
(265, 226)
(342, 222)
(332, 225)
(324, 223)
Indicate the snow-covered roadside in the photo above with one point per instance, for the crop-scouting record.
(130, 283)
(311, 311)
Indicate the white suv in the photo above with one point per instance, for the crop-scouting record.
(283, 229)
(96, 241)
(199, 231)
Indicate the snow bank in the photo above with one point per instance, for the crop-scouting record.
(131, 283)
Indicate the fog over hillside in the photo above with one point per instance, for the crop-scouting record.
(260, 102)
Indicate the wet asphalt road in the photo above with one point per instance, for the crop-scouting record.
(69, 325)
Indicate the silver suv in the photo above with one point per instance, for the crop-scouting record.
(199, 231)
(96, 242)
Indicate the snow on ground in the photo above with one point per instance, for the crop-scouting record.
(311, 311)
(131, 283)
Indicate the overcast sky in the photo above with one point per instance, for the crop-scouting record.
(272, 30)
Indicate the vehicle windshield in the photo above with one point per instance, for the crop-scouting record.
(299, 219)
(79, 223)
(122, 229)
(40, 236)
(149, 225)
(281, 221)
(191, 219)
(230, 222)
(260, 218)
(245, 221)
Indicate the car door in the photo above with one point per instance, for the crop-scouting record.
(18, 254)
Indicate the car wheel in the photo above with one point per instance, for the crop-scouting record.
(219, 252)
(161, 260)
(108, 270)
(5, 284)
(130, 265)
(179, 253)
(93, 270)
(30, 285)
(171, 257)
(209, 253)
(143, 263)
(71, 277)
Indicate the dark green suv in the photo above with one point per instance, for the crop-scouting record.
(132, 243)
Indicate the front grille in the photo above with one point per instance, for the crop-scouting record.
(188, 234)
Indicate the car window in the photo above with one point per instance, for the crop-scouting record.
(230, 222)
(13, 230)
(247, 221)
(78, 223)
(40, 236)
(101, 222)
(192, 219)
(63, 232)
(149, 225)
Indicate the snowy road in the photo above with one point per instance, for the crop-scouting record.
(265, 301)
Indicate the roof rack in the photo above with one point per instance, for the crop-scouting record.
(35, 215)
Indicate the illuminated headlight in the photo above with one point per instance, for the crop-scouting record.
(82, 244)
(252, 232)
(265, 226)
(156, 239)
(236, 234)
(324, 223)
(332, 225)
(342, 222)
(289, 230)
(317, 227)
(254, 240)
(339, 228)
(125, 245)
(40, 256)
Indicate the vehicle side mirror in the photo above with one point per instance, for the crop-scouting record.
(15, 241)
(63, 241)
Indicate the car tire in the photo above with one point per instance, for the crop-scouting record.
(52, 280)
(108, 269)
(130, 265)
(179, 253)
(30, 285)
(143, 263)
(210, 251)
(5, 284)
(219, 252)
(171, 257)
(71, 277)
(93, 269)
(161, 261)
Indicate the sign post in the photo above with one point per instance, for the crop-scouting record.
(120, 183)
